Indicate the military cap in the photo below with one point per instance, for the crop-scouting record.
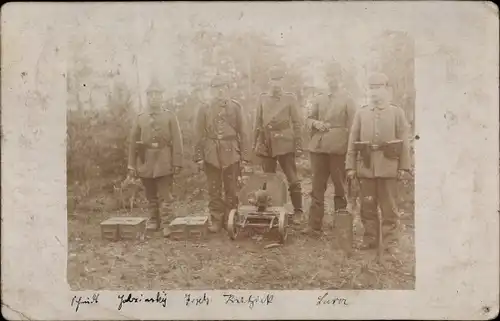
(378, 78)
(220, 80)
(155, 86)
(276, 73)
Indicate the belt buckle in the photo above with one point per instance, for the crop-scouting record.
(219, 136)
(154, 145)
(375, 147)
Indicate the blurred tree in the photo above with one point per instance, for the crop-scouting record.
(395, 56)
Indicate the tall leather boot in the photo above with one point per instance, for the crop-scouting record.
(216, 222)
(340, 203)
(166, 212)
(296, 198)
(154, 216)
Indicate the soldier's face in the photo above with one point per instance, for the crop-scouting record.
(220, 92)
(155, 99)
(333, 85)
(378, 93)
(276, 85)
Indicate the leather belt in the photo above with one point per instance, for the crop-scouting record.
(222, 137)
(375, 146)
(156, 145)
(330, 127)
(278, 127)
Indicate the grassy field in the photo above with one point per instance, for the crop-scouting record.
(305, 262)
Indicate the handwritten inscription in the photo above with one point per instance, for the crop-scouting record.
(326, 299)
(250, 300)
(191, 300)
(160, 298)
(77, 300)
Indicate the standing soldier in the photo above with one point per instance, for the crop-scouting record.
(378, 154)
(155, 154)
(277, 135)
(221, 144)
(329, 121)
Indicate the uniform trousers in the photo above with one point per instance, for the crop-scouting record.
(222, 191)
(325, 166)
(379, 193)
(289, 167)
(158, 192)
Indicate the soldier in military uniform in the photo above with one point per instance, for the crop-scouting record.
(378, 154)
(155, 154)
(329, 121)
(277, 135)
(221, 148)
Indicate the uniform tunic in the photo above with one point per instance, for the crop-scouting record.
(337, 111)
(161, 135)
(379, 125)
(280, 121)
(221, 136)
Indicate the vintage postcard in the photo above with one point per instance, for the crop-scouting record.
(250, 160)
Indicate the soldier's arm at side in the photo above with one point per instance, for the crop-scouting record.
(312, 115)
(134, 136)
(257, 126)
(402, 132)
(354, 134)
(177, 148)
(244, 139)
(296, 117)
(199, 134)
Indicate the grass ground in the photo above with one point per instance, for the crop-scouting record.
(305, 262)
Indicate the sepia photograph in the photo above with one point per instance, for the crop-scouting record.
(223, 155)
(250, 160)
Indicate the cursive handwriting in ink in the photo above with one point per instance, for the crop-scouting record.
(77, 300)
(161, 298)
(324, 299)
(251, 300)
(200, 300)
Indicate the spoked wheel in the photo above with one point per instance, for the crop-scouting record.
(232, 228)
(282, 226)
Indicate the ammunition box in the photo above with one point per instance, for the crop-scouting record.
(123, 228)
(189, 227)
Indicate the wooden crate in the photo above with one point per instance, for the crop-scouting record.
(189, 227)
(124, 228)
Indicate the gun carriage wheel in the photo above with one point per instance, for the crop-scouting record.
(232, 224)
(282, 226)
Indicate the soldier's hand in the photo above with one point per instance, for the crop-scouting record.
(319, 125)
(132, 173)
(200, 165)
(177, 170)
(402, 174)
(245, 167)
(298, 152)
(351, 174)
